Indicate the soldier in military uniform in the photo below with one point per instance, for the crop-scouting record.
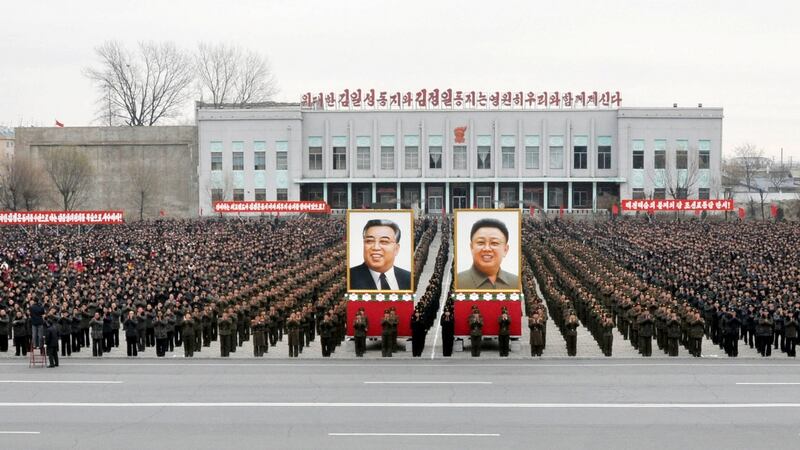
(673, 334)
(187, 333)
(536, 326)
(386, 335)
(96, 325)
(293, 328)
(160, 333)
(360, 327)
(225, 331)
(273, 325)
(448, 332)
(326, 335)
(475, 331)
(504, 333)
(571, 334)
(394, 322)
(607, 334)
(645, 333)
(257, 326)
(696, 333)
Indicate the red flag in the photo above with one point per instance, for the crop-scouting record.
(696, 212)
(773, 210)
(161, 213)
(561, 210)
(59, 124)
(615, 209)
(531, 210)
(741, 213)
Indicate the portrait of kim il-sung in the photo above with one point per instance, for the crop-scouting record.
(380, 250)
(488, 250)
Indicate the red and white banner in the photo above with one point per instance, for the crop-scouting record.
(456, 98)
(272, 207)
(678, 205)
(60, 217)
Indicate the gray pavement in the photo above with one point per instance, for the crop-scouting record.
(576, 403)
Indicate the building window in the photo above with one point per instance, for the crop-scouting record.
(411, 152)
(580, 199)
(339, 152)
(387, 152)
(638, 154)
(703, 194)
(216, 195)
(238, 160)
(261, 194)
(434, 152)
(216, 161)
(682, 159)
(315, 153)
(659, 194)
(580, 152)
(508, 195)
(660, 154)
(282, 194)
(704, 148)
(531, 152)
(484, 152)
(238, 195)
(638, 194)
(282, 161)
(260, 161)
(681, 193)
(459, 157)
(387, 158)
(508, 150)
(604, 152)
(363, 158)
(363, 155)
(556, 152)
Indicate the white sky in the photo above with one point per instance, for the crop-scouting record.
(741, 55)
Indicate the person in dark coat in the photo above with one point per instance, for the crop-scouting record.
(360, 327)
(131, 335)
(417, 334)
(51, 342)
(504, 333)
(448, 332)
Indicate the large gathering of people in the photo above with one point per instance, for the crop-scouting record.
(161, 284)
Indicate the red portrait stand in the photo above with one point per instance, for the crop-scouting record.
(490, 309)
(374, 310)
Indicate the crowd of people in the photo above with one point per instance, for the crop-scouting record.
(187, 283)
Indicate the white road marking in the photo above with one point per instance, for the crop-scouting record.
(427, 382)
(765, 384)
(379, 363)
(400, 405)
(418, 434)
(20, 432)
(60, 382)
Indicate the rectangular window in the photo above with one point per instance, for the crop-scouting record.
(660, 154)
(704, 193)
(638, 194)
(238, 195)
(638, 153)
(704, 154)
(682, 154)
(261, 194)
(459, 157)
(484, 152)
(216, 160)
(387, 152)
(216, 195)
(659, 194)
(281, 155)
(604, 152)
(363, 155)
(314, 153)
(238, 160)
(411, 152)
(580, 152)
(580, 199)
(531, 152)
(282, 194)
(339, 144)
(508, 150)
(260, 161)
(681, 193)
(556, 152)
(434, 152)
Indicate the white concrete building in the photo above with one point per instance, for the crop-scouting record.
(576, 159)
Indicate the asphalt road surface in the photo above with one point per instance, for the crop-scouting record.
(461, 404)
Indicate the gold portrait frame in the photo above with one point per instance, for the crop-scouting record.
(457, 245)
(411, 249)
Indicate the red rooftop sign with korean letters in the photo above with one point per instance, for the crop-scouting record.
(60, 217)
(678, 205)
(452, 98)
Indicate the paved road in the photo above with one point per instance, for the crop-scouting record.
(572, 403)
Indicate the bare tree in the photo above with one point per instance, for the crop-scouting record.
(746, 165)
(678, 183)
(231, 75)
(20, 184)
(777, 176)
(71, 173)
(145, 87)
(144, 184)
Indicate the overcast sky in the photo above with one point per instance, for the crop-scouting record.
(740, 55)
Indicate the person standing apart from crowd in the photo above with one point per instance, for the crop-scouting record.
(131, 335)
(51, 341)
(536, 327)
(448, 332)
(36, 311)
(386, 335)
(293, 329)
(504, 333)
(360, 331)
(187, 333)
(475, 331)
(96, 325)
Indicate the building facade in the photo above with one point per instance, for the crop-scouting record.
(6, 144)
(441, 160)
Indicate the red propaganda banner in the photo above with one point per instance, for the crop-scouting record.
(60, 217)
(272, 207)
(453, 98)
(374, 310)
(741, 213)
(490, 310)
(678, 205)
